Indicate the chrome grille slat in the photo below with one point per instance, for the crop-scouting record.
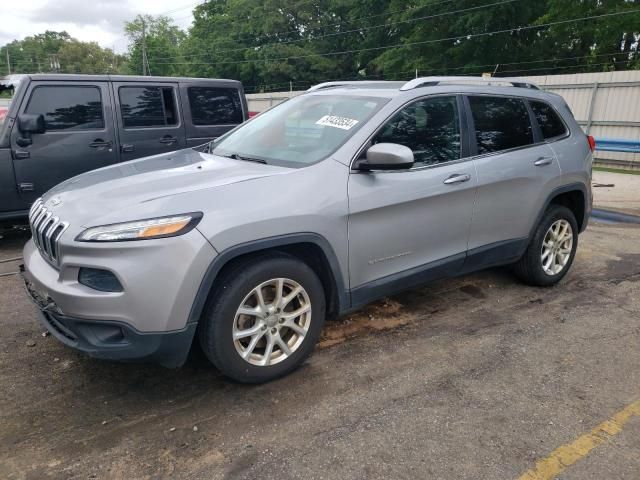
(63, 226)
(46, 231)
(33, 208)
(48, 246)
(39, 215)
(41, 229)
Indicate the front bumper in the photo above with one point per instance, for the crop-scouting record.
(149, 320)
(110, 340)
(159, 278)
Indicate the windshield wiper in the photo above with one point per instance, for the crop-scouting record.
(235, 156)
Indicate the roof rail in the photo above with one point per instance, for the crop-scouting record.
(356, 83)
(433, 81)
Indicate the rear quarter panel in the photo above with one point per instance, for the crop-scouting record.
(574, 155)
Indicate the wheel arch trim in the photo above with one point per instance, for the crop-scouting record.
(571, 187)
(214, 268)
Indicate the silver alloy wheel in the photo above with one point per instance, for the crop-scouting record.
(556, 247)
(272, 321)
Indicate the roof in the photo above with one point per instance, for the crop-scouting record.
(13, 80)
(384, 88)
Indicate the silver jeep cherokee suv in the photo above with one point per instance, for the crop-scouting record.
(337, 197)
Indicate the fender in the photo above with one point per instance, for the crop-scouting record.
(263, 244)
(564, 189)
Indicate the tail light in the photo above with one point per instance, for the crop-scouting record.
(592, 142)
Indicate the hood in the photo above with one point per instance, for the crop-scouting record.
(133, 186)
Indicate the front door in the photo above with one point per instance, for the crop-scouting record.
(409, 226)
(149, 118)
(79, 135)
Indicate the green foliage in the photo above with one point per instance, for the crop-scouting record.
(275, 44)
(270, 43)
(162, 39)
(44, 52)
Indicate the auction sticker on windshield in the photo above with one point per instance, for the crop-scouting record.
(337, 122)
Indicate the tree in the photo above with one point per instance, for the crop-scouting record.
(267, 44)
(598, 44)
(58, 52)
(272, 44)
(162, 41)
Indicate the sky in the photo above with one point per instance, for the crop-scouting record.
(101, 21)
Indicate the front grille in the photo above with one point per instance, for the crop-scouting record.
(46, 230)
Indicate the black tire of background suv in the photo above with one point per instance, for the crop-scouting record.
(215, 329)
(529, 267)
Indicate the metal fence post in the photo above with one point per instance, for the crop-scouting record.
(594, 92)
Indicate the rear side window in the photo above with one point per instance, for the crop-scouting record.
(549, 121)
(430, 128)
(148, 106)
(215, 106)
(67, 107)
(501, 123)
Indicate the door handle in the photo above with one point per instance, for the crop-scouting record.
(542, 161)
(126, 147)
(100, 144)
(168, 139)
(21, 154)
(457, 178)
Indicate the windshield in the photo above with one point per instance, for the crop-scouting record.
(299, 132)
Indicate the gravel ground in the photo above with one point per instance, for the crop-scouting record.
(477, 377)
(617, 191)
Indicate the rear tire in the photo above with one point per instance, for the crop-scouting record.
(551, 250)
(264, 318)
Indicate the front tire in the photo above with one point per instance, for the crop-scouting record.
(551, 250)
(263, 319)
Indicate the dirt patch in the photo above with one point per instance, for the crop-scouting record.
(624, 269)
(474, 291)
(383, 315)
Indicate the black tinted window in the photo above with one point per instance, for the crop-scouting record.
(215, 106)
(430, 128)
(148, 106)
(501, 123)
(548, 119)
(67, 108)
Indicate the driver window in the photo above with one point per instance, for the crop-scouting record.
(429, 127)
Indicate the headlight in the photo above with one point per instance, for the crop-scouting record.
(142, 229)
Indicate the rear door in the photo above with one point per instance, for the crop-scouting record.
(79, 135)
(516, 170)
(211, 109)
(149, 118)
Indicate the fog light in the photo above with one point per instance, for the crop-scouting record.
(98, 279)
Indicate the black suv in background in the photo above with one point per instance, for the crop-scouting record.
(59, 126)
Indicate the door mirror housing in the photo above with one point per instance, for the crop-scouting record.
(387, 156)
(27, 125)
(30, 123)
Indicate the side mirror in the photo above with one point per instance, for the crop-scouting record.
(387, 156)
(27, 125)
